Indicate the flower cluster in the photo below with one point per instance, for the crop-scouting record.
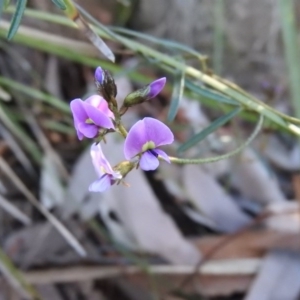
(99, 115)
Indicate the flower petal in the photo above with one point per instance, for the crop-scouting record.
(101, 184)
(98, 117)
(88, 130)
(101, 104)
(79, 135)
(94, 100)
(99, 160)
(148, 161)
(158, 132)
(156, 87)
(162, 154)
(78, 111)
(135, 140)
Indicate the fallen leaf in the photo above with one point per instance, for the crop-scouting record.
(209, 197)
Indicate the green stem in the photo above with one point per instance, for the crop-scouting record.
(122, 130)
(258, 127)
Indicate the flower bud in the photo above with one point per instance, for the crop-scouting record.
(145, 93)
(99, 75)
(106, 86)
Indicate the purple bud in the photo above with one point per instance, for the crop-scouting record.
(156, 87)
(145, 93)
(99, 75)
(106, 86)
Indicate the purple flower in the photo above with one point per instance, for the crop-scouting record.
(143, 139)
(107, 176)
(90, 116)
(155, 87)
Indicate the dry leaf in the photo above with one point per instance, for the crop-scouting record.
(285, 218)
(252, 178)
(209, 198)
(278, 278)
(51, 189)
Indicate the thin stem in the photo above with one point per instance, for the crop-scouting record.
(258, 127)
(122, 130)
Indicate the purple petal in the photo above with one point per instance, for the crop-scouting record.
(101, 104)
(78, 111)
(99, 75)
(88, 130)
(79, 135)
(100, 162)
(94, 100)
(148, 161)
(162, 154)
(101, 184)
(98, 117)
(158, 132)
(135, 140)
(156, 87)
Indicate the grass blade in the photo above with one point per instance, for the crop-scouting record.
(14, 211)
(176, 97)
(287, 10)
(17, 150)
(60, 4)
(209, 129)
(7, 170)
(72, 13)
(16, 278)
(18, 132)
(209, 93)
(36, 94)
(16, 19)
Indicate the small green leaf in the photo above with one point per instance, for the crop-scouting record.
(16, 19)
(60, 4)
(209, 129)
(176, 97)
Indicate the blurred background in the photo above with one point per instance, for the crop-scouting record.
(224, 230)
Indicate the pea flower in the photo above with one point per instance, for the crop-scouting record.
(90, 116)
(143, 139)
(107, 176)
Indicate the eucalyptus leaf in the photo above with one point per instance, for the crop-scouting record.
(60, 4)
(209, 129)
(176, 97)
(16, 19)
